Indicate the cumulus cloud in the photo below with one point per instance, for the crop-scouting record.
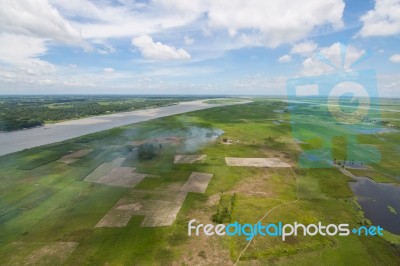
(383, 20)
(157, 50)
(276, 21)
(36, 18)
(27, 28)
(104, 19)
(316, 65)
(23, 51)
(395, 58)
(305, 48)
(18, 48)
(285, 58)
(271, 23)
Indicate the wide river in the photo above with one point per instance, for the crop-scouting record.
(24, 139)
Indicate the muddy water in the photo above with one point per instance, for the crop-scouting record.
(24, 139)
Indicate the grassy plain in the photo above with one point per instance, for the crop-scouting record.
(43, 200)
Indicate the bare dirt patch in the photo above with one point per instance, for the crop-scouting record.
(257, 186)
(227, 141)
(255, 162)
(160, 208)
(197, 182)
(51, 253)
(202, 249)
(74, 156)
(115, 218)
(113, 174)
(188, 159)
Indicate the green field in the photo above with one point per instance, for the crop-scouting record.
(45, 201)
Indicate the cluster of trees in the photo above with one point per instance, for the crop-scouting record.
(148, 151)
(19, 112)
(225, 209)
(12, 123)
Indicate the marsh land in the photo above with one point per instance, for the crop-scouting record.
(124, 196)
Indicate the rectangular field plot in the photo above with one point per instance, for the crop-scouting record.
(159, 208)
(197, 182)
(255, 162)
(74, 156)
(189, 159)
(113, 174)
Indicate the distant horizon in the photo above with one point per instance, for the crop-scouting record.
(192, 95)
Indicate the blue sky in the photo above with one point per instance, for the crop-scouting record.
(191, 47)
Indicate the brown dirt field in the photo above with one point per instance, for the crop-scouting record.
(133, 206)
(164, 215)
(255, 162)
(281, 155)
(113, 174)
(257, 186)
(74, 156)
(203, 250)
(115, 218)
(197, 182)
(159, 209)
(51, 253)
(189, 159)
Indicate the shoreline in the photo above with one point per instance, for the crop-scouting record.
(15, 141)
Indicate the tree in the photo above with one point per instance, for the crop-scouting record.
(147, 151)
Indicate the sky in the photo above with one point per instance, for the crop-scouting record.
(224, 47)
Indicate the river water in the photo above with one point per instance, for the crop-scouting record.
(24, 139)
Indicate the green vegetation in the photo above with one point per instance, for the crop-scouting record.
(147, 151)
(225, 101)
(44, 200)
(225, 209)
(392, 210)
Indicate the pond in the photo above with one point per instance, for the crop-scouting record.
(380, 202)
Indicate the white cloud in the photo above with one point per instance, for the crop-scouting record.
(19, 48)
(276, 21)
(27, 28)
(157, 50)
(305, 48)
(285, 58)
(383, 20)
(130, 18)
(102, 47)
(23, 52)
(38, 19)
(271, 22)
(108, 70)
(395, 58)
(317, 66)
